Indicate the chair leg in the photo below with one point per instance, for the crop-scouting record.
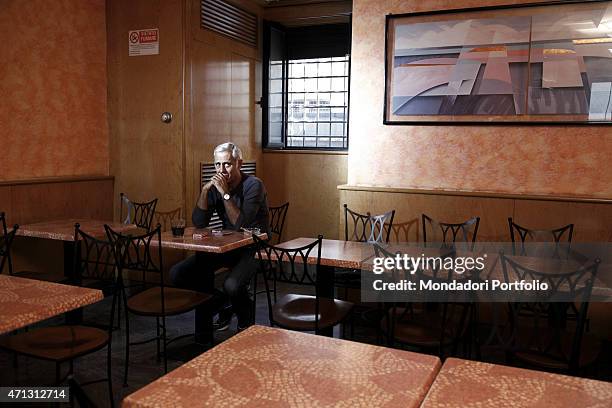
(109, 377)
(119, 311)
(165, 344)
(158, 339)
(57, 373)
(127, 347)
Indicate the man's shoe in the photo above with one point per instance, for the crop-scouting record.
(222, 323)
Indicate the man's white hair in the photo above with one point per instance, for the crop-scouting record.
(229, 147)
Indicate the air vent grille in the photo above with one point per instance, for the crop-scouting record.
(229, 20)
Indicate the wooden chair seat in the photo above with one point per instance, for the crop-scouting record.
(59, 343)
(421, 328)
(298, 312)
(43, 276)
(177, 301)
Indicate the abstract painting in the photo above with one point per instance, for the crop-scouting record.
(535, 63)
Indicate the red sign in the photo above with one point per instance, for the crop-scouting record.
(148, 36)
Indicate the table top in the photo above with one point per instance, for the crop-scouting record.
(26, 301)
(464, 383)
(269, 367)
(63, 230)
(209, 242)
(340, 254)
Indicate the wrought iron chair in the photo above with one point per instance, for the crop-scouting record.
(140, 214)
(364, 228)
(135, 252)
(541, 337)
(5, 244)
(277, 222)
(297, 311)
(559, 240)
(164, 218)
(450, 233)
(38, 275)
(61, 344)
(429, 329)
(367, 227)
(550, 243)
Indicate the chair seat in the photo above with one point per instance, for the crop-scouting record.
(590, 348)
(43, 276)
(59, 343)
(421, 328)
(177, 301)
(298, 312)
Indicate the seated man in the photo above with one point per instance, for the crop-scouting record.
(240, 201)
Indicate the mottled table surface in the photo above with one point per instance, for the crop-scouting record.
(63, 230)
(26, 301)
(467, 384)
(340, 254)
(203, 240)
(269, 367)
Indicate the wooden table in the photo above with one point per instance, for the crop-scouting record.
(335, 253)
(269, 367)
(63, 230)
(466, 384)
(26, 301)
(207, 244)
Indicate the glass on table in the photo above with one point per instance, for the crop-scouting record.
(178, 227)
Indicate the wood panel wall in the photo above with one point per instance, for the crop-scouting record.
(147, 155)
(33, 201)
(592, 220)
(223, 82)
(308, 182)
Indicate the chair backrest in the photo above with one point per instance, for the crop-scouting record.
(453, 322)
(94, 257)
(449, 233)
(540, 326)
(135, 252)
(164, 218)
(367, 227)
(6, 239)
(277, 221)
(140, 214)
(556, 237)
(281, 265)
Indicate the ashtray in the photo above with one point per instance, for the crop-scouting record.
(251, 231)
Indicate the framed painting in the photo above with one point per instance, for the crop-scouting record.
(545, 63)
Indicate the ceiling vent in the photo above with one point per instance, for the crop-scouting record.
(231, 21)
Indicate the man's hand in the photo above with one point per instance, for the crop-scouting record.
(203, 199)
(220, 182)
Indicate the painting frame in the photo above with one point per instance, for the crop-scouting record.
(405, 102)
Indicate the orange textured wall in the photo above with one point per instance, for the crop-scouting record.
(563, 160)
(53, 118)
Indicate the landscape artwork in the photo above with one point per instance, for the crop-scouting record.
(544, 63)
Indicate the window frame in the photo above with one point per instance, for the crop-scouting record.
(283, 145)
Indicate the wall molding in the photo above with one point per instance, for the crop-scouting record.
(595, 200)
(61, 179)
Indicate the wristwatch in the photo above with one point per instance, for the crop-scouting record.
(226, 196)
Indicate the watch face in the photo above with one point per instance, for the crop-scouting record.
(226, 196)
